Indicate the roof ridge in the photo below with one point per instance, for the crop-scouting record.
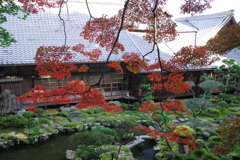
(220, 14)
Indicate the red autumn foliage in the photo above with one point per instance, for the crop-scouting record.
(35, 6)
(116, 66)
(135, 63)
(169, 105)
(229, 129)
(195, 56)
(174, 135)
(36, 95)
(171, 78)
(93, 55)
(103, 32)
(227, 39)
(75, 91)
(53, 61)
(35, 110)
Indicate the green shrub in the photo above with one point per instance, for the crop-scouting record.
(73, 124)
(234, 105)
(35, 129)
(58, 119)
(13, 121)
(50, 129)
(2, 140)
(7, 136)
(132, 118)
(124, 106)
(233, 110)
(213, 111)
(43, 121)
(207, 156)
(63, 114)
(90, 112)
(28, 114)
(225, 158)
(72, 110)
(97, 111)
(192, 157)
(215, 138)
(212, 144)
(136, 105)
(200, 152)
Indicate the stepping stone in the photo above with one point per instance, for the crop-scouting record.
(55, 124)
(74, 113)
(78, 119)
(65, 121)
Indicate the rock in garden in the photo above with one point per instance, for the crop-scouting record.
(70, 155)
(65, 109)
(206, 134)
(115, 102)
(55, 124)
(78, 119)
(65, 121)
(44, 126)
(74, 113)
(10, 143)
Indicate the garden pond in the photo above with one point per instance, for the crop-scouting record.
(55, 149)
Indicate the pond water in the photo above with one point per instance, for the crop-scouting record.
(55, 149)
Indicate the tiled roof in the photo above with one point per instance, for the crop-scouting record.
(46, 29)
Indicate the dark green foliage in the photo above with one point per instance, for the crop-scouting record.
(90, 112)
(97, 111)
(212, 144)
(43, 121)
(179, 156)
(107, 131)
(146, 92)
(136, 105)
(86, 152)
(213, 111)
(124, 106)
(93, 138)
(215, 138)
(63, 114)
(225, 158)
(191, 156)
(28, 114)
(13, 121)
(200, 152)
(223, 105)
(234, 105)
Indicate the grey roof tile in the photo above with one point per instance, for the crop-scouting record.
(46, 29)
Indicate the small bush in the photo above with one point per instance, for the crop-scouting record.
(43, 121)
(136, 105)
(234, 105)
(233, 110)
(97, 111)
(215, 138)
(50, 129)
(124, 106)
(63, 114)
(90, 112)
(212, 144)
(200, 152)
(58, 119)
(213, 111)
